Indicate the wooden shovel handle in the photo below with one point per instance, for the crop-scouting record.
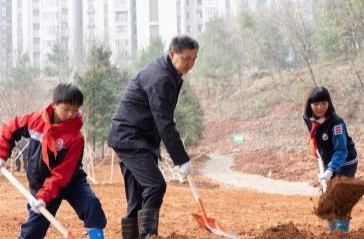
(30, 197)
(196, 196)
(322, 170)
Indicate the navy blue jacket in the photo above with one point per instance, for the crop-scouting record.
(336, 147)
(145, 114)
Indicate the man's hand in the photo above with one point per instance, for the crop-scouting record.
(186, 169)
(326, 175)
(2, 163)
(35, 205)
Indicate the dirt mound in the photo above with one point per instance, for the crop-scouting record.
(285, 231)
(172, 236)
(342, 235)
(289, 231)
(340, 197)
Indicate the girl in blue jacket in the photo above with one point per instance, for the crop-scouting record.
(329, 137)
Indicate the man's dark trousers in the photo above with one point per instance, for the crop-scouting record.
(144, 183)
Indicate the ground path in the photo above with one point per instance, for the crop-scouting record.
(219, 169)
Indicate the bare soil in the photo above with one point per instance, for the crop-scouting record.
(248, 214)
(275, 145)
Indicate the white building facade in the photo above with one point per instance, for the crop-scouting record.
(123, 26)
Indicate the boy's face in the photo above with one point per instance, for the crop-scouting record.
(64, 111)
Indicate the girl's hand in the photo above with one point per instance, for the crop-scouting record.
(326, 175)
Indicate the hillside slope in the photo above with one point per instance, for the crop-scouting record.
(267, 112)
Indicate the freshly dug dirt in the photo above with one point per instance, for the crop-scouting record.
(289, 231)
(285, 231)
(342, 235)
(246, 213)
(340, 197)
(172, 236)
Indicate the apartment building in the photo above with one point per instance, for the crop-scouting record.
(155, 18)
(5, 35)
(123, 26)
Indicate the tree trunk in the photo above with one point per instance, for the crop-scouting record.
(103, 149)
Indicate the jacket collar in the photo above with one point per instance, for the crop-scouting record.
(48, 135)
(168, 64)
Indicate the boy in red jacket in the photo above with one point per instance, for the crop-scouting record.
(55, 162)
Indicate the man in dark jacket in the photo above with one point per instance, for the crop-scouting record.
(145, 116)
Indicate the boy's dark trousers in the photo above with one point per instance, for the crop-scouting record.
(144, 187)
(83, 201)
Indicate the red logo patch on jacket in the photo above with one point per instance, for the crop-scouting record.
(338, 129)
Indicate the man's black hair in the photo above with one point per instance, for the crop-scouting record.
(318, 94)
(67, 93)
(180, 43)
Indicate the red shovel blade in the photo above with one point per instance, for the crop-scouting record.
(213, 226)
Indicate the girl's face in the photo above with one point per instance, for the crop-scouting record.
(319, 108)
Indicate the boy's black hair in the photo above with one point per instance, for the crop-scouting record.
(180, 43)
(318, 94)
(67, 93)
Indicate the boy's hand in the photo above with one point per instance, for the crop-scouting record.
(2, 163)
(35, 205)
(186, 169)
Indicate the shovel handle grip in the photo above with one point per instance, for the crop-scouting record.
(30, 197)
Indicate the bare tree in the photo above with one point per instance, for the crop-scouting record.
(293, 19)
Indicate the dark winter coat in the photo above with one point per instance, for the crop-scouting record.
(335, 146)
(145, 115)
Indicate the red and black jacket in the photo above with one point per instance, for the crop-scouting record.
(55, 151)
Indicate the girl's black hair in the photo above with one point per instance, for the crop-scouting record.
(318, 94)
(67, 93)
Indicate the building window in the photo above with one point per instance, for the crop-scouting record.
(199, 2)
(189, 29)
(211, 1)
(36, 12)
(212, 12)
(36, 55)
(36, 40)
(121, 30)
(120, 2)
(121, 16)
(153, 11)
(36, 26)
(188, 2)
(126, 43)
(199, 28)
(199, 14)
(64, 11)
(122, 43)
(154, 31)
(188, 15)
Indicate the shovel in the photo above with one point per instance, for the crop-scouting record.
(210, 224)
(337, 200)
(42, 210)
(323, 182)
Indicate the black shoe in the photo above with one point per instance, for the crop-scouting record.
(129, 228)
(148, 222)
